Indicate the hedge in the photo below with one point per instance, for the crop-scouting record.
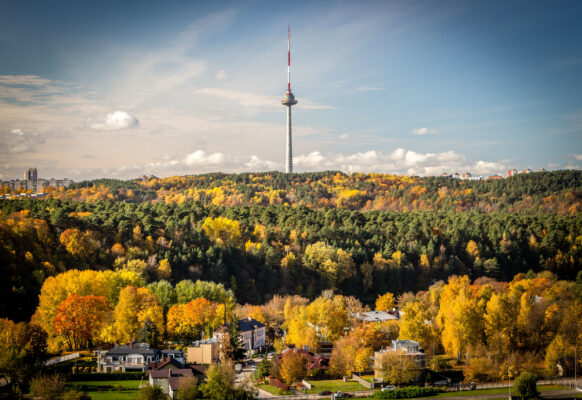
(405, 393)
(102, 376)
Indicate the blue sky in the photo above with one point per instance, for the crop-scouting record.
(120, 89)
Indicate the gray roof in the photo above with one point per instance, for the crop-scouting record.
(249, 324)
(132, 348)
(374, 316)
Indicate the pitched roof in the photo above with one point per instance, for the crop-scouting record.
(313, 361)
(168, 361)
(249, 324)
(132, 348)
(169, 373)
(199, 369)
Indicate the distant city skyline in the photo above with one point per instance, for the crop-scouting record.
(109, 89)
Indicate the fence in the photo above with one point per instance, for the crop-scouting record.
(59, 360)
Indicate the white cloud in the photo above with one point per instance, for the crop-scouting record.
(23, 80)
(399, 161)
(370, 89)
(221, 75)
(200, 158)
(573, 166)
(18, 141)
(256, 164)
(113, 121)
(344, 136)
(424, 131)
(577, 157)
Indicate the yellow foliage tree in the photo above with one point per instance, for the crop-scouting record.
(135, 305)
(385, 302)
(222, 231)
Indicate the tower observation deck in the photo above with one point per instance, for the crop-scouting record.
(288, 101)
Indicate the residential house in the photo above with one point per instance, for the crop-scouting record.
(253, 333)
(407, 348)
(133, 357)
(170, 379)
(313, 362)
(203, 352)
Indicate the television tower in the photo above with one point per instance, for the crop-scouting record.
(289, 100)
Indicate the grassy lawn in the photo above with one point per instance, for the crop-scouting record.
(101, 390)
(501, 391)
(269, 388)
(334, 385)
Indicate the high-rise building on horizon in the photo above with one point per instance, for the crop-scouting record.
(288, 101)
(31, 174)
(33, 183)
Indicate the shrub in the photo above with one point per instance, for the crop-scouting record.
(47, 387)
(76, 395)
(525, 386)
(151, 393)
(405, 393)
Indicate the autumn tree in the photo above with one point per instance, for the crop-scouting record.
(416, 324)
(134, 307)
(80, 319)
(222, 231)
(335, 265)
(460, 316)
(385, 302)
(397, 368)
(292, 367)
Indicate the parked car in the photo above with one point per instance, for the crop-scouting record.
(325, 393)
(341, 395)
(388, 387)
(444, 382)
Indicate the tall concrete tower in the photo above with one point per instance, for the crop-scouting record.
(288, 101)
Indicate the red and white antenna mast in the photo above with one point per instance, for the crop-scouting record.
(289, 58)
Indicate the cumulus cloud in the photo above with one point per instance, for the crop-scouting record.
(19, 141)
(399, 161)
(113, 121)
(577, 157)
(200, 158)
(424, 131)
(256, 164)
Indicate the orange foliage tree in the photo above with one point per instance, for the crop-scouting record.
(80, 319)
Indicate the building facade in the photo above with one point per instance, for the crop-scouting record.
(133, 357)
(252, 333)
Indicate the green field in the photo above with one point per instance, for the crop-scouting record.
(269, 388)
(334, 385)
(102, 390)
(501, 391)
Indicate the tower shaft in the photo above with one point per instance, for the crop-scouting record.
(289, 157)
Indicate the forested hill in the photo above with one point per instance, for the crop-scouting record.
(258, 251)
(558, 192)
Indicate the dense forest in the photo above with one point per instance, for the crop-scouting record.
(272, 233)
